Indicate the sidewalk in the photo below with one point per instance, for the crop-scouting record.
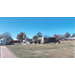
(6, 53)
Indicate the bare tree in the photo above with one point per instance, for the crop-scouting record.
(6, 35)
(60, 37)
(39, 35)
(73, 35)
(67, 35)
(21, 36)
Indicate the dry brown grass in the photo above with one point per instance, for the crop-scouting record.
(63, 50)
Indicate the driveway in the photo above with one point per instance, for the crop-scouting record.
(6, 53)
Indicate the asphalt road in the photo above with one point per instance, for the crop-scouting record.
(6, 53)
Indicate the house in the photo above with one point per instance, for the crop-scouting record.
(27, 41)
(3, 41)
(15, 41)
(30, 41)
(41, 39)
(52, 39)
(73, 38)
(48, 39)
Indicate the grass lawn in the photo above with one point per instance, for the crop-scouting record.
(63, 50)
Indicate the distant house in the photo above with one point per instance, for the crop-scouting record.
(15, 41)
(3, 41)
(27, 41)
(41, 39)
(30, 41)
(73, 38)
(48, 40)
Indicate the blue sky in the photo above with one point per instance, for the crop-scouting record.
(32, 25)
